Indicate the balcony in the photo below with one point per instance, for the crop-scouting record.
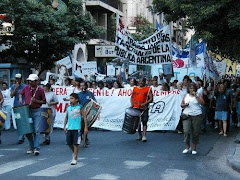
(112, 6)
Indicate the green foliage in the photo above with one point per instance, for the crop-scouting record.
(143, 28)
(43, 34)
(113, 24)
(215, 21)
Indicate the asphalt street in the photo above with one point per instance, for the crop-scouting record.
(116, 155)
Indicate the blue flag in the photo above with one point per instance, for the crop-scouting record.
(158, 26)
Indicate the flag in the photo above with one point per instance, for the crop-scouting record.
(192, 54)
(158, 26)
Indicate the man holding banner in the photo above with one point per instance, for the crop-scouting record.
(141, 97)
(84, 97)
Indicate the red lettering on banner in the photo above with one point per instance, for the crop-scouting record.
(65, 109)
(59, 107)
(106, 93)
(60, 91)
(125, 92)
(94, 92)
(98, 92)
(120, 92)
(163, 93)
(176, 91)
(129, 93)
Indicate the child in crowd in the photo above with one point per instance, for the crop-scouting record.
(73, 120)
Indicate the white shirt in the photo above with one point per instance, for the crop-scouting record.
(6, 96)
(76, 90)
(158, 88)
(194, 107)
(50, 97)
(200, 91)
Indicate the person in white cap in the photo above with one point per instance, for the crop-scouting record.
(15, 91)
(34, 97)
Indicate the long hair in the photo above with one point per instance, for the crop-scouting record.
(191, 85)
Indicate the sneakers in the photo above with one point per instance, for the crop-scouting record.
(194, 152)
(74, 162)
(29, 151)
(221, 133)
(225, 135)
(185, 151)
(144, 139)
(36, 152)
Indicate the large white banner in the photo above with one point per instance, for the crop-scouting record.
(154, 50)
(61, 93)
(164, 112)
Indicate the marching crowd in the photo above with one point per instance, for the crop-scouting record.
(204, 101)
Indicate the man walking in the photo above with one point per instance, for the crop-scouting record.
(141, 97)
(34, 97)
(15, 91)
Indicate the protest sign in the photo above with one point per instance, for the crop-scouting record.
(154, 50)
(164, 112)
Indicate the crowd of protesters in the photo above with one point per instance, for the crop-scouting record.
(204, 102)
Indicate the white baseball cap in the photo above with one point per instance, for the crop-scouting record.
(19, 76)
(32, 77)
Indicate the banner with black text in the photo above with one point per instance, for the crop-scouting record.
(153, 50)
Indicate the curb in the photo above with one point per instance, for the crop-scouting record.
(231, 160)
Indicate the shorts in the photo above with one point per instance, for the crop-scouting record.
(73, 137)
(144, 117)
(221, 115)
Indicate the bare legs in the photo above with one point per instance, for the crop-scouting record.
(223, 127)
(74, 149)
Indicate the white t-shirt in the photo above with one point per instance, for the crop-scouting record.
(158, 88)
(6, 96)
(194, 107)
(200, 91)
(50, 97)
(76, 90)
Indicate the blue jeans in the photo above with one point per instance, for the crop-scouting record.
(34, 139)
(8, 109)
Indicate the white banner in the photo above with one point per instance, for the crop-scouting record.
(179, 73)
(164, 112)
(85, 68)
(61, 93)
(154, 50)
(65, 61)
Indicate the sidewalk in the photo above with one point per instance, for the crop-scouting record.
(233, 158)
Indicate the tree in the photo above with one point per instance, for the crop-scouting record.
(216, 22)
(144, 28)
(43, 34)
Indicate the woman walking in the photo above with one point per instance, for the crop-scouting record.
(192, 117)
